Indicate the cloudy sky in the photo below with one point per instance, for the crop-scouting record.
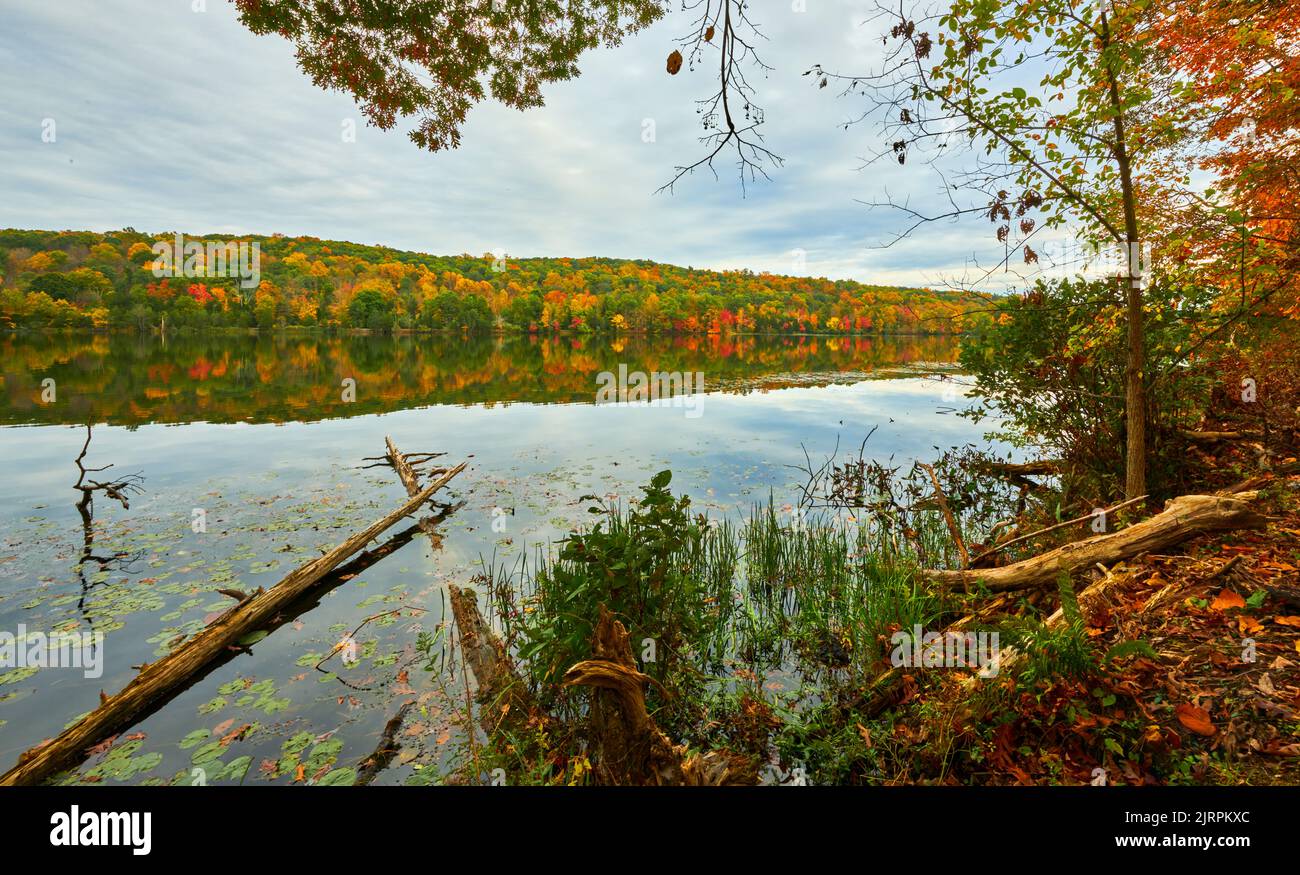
(171, 119)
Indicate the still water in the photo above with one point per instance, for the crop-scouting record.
(265, 440)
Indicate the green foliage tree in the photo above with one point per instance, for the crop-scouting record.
(1075, 150)
(435, 59)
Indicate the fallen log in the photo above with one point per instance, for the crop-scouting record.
(411, 481)
(159, 678)
(1215, 436)
(384, 752)
(1182, 517)
(997, 548)
(501, 692)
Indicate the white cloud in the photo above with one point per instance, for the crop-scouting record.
(171, 119)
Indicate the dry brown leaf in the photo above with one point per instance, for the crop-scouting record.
(674, 62)
(1227, 599)
(865, 733)
(1195, 719)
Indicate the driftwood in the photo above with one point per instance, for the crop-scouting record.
(384, 752)
(1183, 517)
(501, 692)
(406, 473)
(159, 678)
(627, 747)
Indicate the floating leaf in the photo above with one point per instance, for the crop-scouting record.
(194, 738)
(339, 778)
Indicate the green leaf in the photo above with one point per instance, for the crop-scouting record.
(194, 738)
(339, 778)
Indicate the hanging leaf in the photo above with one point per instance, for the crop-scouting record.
(674, 62)
(708, 34)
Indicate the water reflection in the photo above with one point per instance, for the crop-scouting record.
(133, 380)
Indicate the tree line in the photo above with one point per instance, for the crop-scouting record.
(81, 279)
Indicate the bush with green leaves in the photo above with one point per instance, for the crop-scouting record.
(665, 574)
(1051, 364)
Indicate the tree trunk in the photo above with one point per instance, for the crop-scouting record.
(1135, 400)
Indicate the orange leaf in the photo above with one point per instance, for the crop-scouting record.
(1195, 719)
(865, 733)
(1287, 621)
(674, 62)
(1247, 624)
(299, 773)
(1227, 599)
(236, 734)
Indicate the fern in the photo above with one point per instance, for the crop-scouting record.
(1129, 648)
(1069, 601)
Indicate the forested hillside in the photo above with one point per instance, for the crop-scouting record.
(88, 280)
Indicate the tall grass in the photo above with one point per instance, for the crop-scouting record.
(813, 598)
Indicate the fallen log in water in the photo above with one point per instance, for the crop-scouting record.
(384, 752)
(406, 473)
(501, 691)
(1183, 517)
(159, 678)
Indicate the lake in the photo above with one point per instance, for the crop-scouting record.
(265, 441)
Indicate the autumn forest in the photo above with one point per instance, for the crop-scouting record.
(108, 281)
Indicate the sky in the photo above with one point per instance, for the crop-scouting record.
(171, 119)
